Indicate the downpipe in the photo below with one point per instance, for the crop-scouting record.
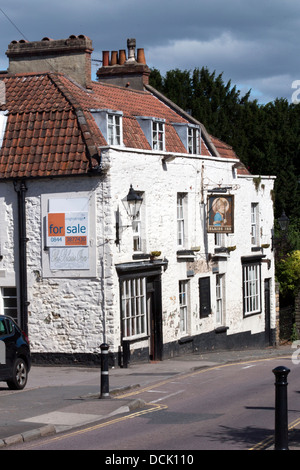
(20, 188)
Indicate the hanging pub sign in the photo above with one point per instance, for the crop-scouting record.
(220, 216)
(67, 229)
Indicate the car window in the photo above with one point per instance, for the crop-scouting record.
(9, 326)
(2, 327)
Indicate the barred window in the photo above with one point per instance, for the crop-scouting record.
(134, 313)
(251, 288)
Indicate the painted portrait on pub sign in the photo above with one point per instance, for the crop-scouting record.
(220, 214)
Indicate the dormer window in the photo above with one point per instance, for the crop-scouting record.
(158, 135)
(193, 140)
(3, 121)
(154, 130)
(114, 135)
(110, 125)
(190, 137)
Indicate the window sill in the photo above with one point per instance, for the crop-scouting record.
(132, 339)
(185, 254)
(221, 329)
(185, 339)
(138, 255)
(221, 252)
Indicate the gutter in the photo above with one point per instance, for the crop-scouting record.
(21, 188)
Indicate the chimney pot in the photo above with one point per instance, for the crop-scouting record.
(105, 58)
(141, 56)
(114, 58)
(122, 57)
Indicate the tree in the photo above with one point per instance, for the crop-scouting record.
(288, 276)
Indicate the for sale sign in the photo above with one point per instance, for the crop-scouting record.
(67, 229)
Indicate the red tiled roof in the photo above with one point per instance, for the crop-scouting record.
(51, 131)
(226, 151)
(42, 135)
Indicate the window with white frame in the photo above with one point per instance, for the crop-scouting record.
(183, 306)
(251, 288)
(110, 124)
(254, 224)
(134, 311)
(219, 298)
(158, 135)
(114, 129)
(9, 302)
(193, 140)
(220, 240)
(3, 122)
(181, 209)
(189, 135)
(136, 228)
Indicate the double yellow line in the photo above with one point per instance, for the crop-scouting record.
(153, 408)
(263, 445)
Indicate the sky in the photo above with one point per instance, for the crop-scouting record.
(255, 44)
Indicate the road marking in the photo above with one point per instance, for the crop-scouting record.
(167, 396)
(270, 440)
(248, 367)
(100, 425)
(198, 372)
(62, 418)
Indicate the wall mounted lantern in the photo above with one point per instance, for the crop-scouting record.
(132, 203)
(283, 221)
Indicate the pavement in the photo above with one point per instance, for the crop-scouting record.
(61, 398)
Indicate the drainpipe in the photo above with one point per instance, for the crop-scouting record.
(20, 188)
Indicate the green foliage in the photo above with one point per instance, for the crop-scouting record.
(294, 334)
(288, 273)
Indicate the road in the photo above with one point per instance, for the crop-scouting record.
(225, 407)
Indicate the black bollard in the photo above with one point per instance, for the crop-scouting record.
(104, 371)
(281, 414)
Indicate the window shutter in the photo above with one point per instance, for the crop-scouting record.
(204, 293)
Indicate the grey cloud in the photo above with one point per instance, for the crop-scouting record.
(253, 43)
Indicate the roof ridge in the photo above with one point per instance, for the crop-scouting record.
(222, 142)
(112, 85)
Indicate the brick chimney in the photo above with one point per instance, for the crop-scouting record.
(70, 56)
(131, 72)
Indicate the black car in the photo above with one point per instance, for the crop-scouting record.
(15, 359)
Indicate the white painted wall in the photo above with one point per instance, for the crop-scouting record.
(74, 312)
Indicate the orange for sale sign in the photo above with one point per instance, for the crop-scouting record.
(67, 229)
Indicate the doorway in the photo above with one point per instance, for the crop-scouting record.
(268, 338)
(154, 313)
(141, 309)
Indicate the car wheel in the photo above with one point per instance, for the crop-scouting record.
(20, 375)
